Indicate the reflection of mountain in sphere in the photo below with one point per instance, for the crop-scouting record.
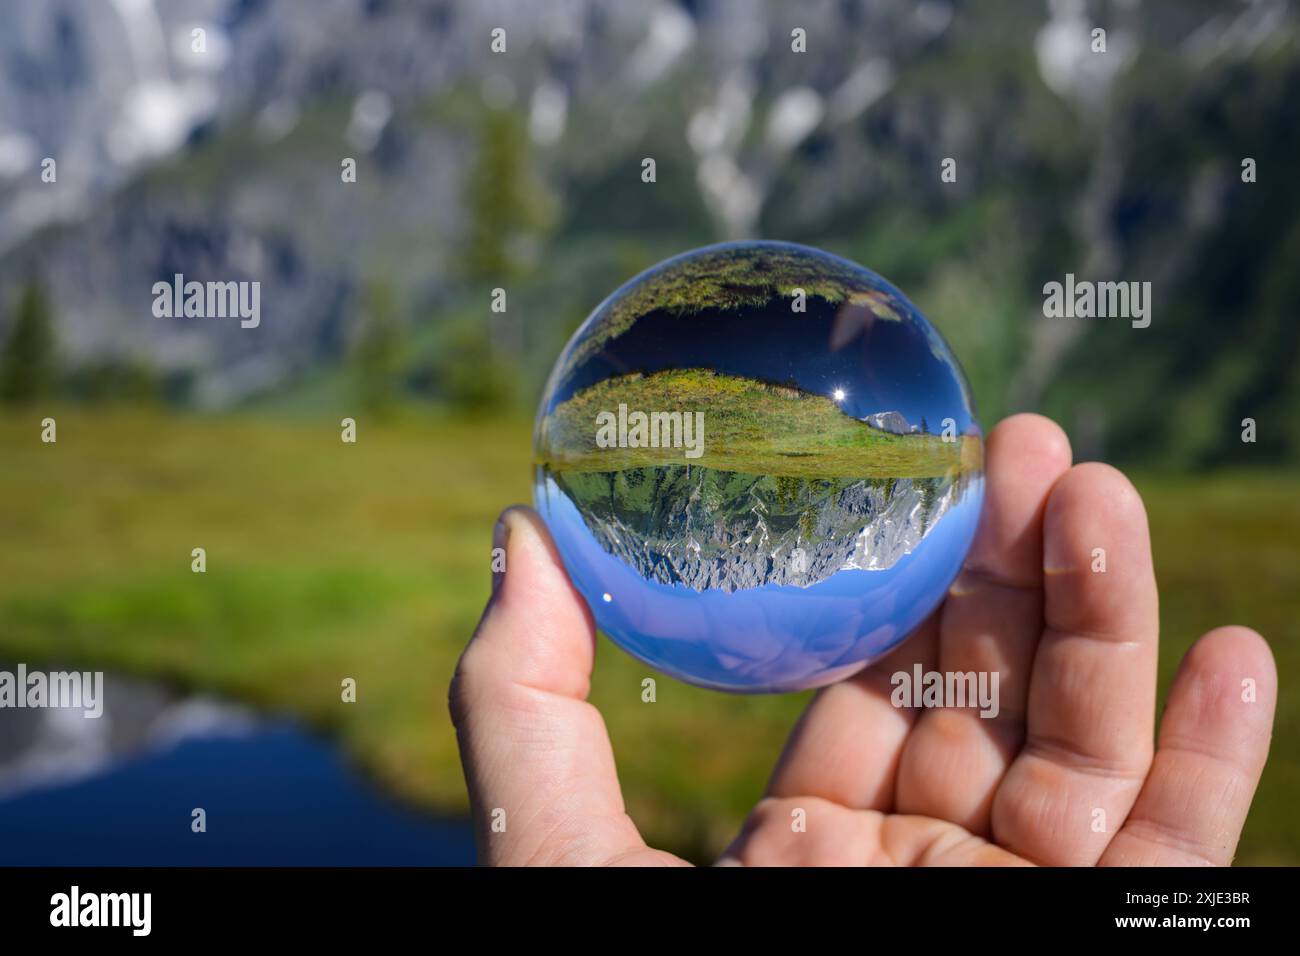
(760, 465)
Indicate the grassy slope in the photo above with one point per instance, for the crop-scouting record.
(729, 277)
(371, 561)
(749, 427)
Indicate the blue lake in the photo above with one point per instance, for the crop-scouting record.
(274, 796)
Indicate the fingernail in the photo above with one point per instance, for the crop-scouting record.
(500, 545)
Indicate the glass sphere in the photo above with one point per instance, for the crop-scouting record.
(760, 465)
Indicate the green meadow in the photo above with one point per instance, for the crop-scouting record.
(328, 560)
(750, 426)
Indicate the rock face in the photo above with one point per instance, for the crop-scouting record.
(892, 422)
(710, 529)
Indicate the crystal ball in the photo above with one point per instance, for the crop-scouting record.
(761, 466)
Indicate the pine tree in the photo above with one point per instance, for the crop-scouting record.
(27, 359)
(929, 497)
(506, 205)
(378, 352)
(509, 209)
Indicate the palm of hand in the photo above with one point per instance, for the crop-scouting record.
(1066, 773)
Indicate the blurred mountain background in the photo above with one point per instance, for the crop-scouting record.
(522, 171)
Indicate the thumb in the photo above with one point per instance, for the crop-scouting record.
(536, 755)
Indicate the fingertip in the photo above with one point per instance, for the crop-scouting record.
(1097, 561)
(1094, 504)
(1096, 486)
(1024, 457)
(536, 628)
(522, 527)
(1035, 440)
(1226, 668)
(525, 526)
(532, 571)
(1236, 639)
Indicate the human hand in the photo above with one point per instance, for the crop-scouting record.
(1065, 774)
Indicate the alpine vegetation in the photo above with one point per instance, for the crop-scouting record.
(651, 430)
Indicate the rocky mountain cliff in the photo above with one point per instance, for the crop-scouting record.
(710, 529)
(893, 422)
(223, 163)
